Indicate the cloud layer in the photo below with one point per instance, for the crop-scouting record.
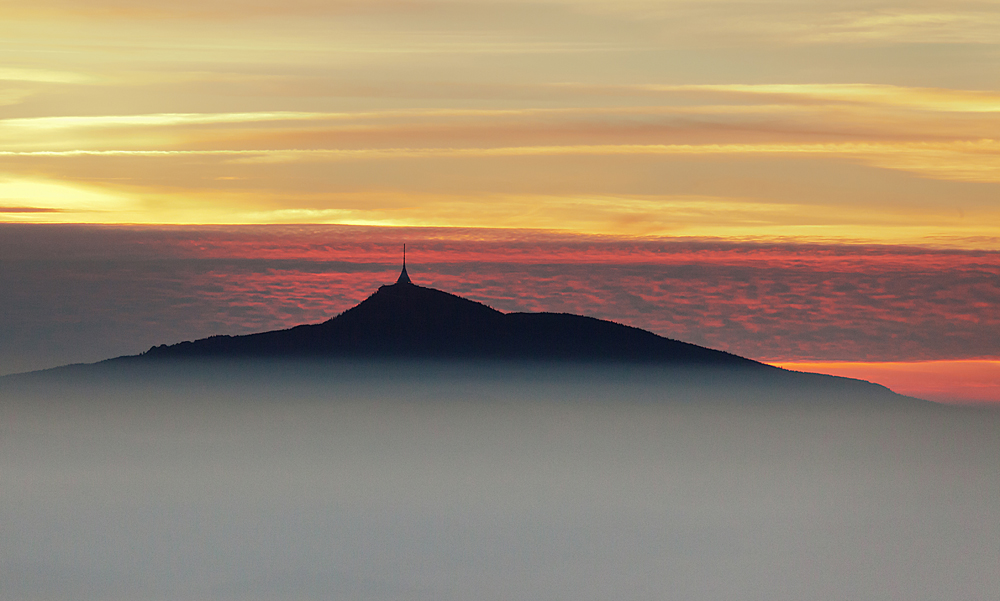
(818, 121)
(86, 293)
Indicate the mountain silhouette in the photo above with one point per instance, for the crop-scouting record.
(421, 337)
(404, 320)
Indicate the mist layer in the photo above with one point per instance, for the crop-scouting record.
(423, 481)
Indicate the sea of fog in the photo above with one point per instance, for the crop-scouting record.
(393, 481)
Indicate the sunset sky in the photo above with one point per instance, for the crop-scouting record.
(802, 182)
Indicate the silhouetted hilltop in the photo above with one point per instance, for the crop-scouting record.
(409, 321)
(424, 338)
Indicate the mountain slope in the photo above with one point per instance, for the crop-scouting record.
(406, 320)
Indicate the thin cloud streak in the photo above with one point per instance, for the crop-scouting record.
(162, 119)
(784, 23)
(682, 215)
(972, 161)
(812, 22)
(930, 99)
(934, 133)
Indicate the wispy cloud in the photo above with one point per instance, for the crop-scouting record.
(800, 22)
(943, 24)
(935, 133)
(211, 9)
(28, 210)
(929, 99)
(625, 117)
(39, 198)
(977, 161)
(42, 76)
(161, 119)
(231, 200)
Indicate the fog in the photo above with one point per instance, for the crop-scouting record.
(475, 482)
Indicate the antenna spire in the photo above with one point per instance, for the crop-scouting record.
(404, 277)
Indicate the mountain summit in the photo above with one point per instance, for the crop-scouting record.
(410, 335)
(407, 320)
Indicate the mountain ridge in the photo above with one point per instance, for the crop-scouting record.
(417, 334)
(405, 320)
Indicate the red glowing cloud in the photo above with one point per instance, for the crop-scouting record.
(772, 302)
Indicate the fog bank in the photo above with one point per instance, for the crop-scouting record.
(421, 481)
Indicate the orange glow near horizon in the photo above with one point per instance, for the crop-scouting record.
(967, 382)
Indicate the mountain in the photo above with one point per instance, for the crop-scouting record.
(414, 338)
(404, 320)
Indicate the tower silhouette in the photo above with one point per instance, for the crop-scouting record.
(404, 278)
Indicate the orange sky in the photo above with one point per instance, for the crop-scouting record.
(805, 120)
(798, 121)
(955, 382)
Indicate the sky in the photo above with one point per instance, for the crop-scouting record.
(817, 181)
